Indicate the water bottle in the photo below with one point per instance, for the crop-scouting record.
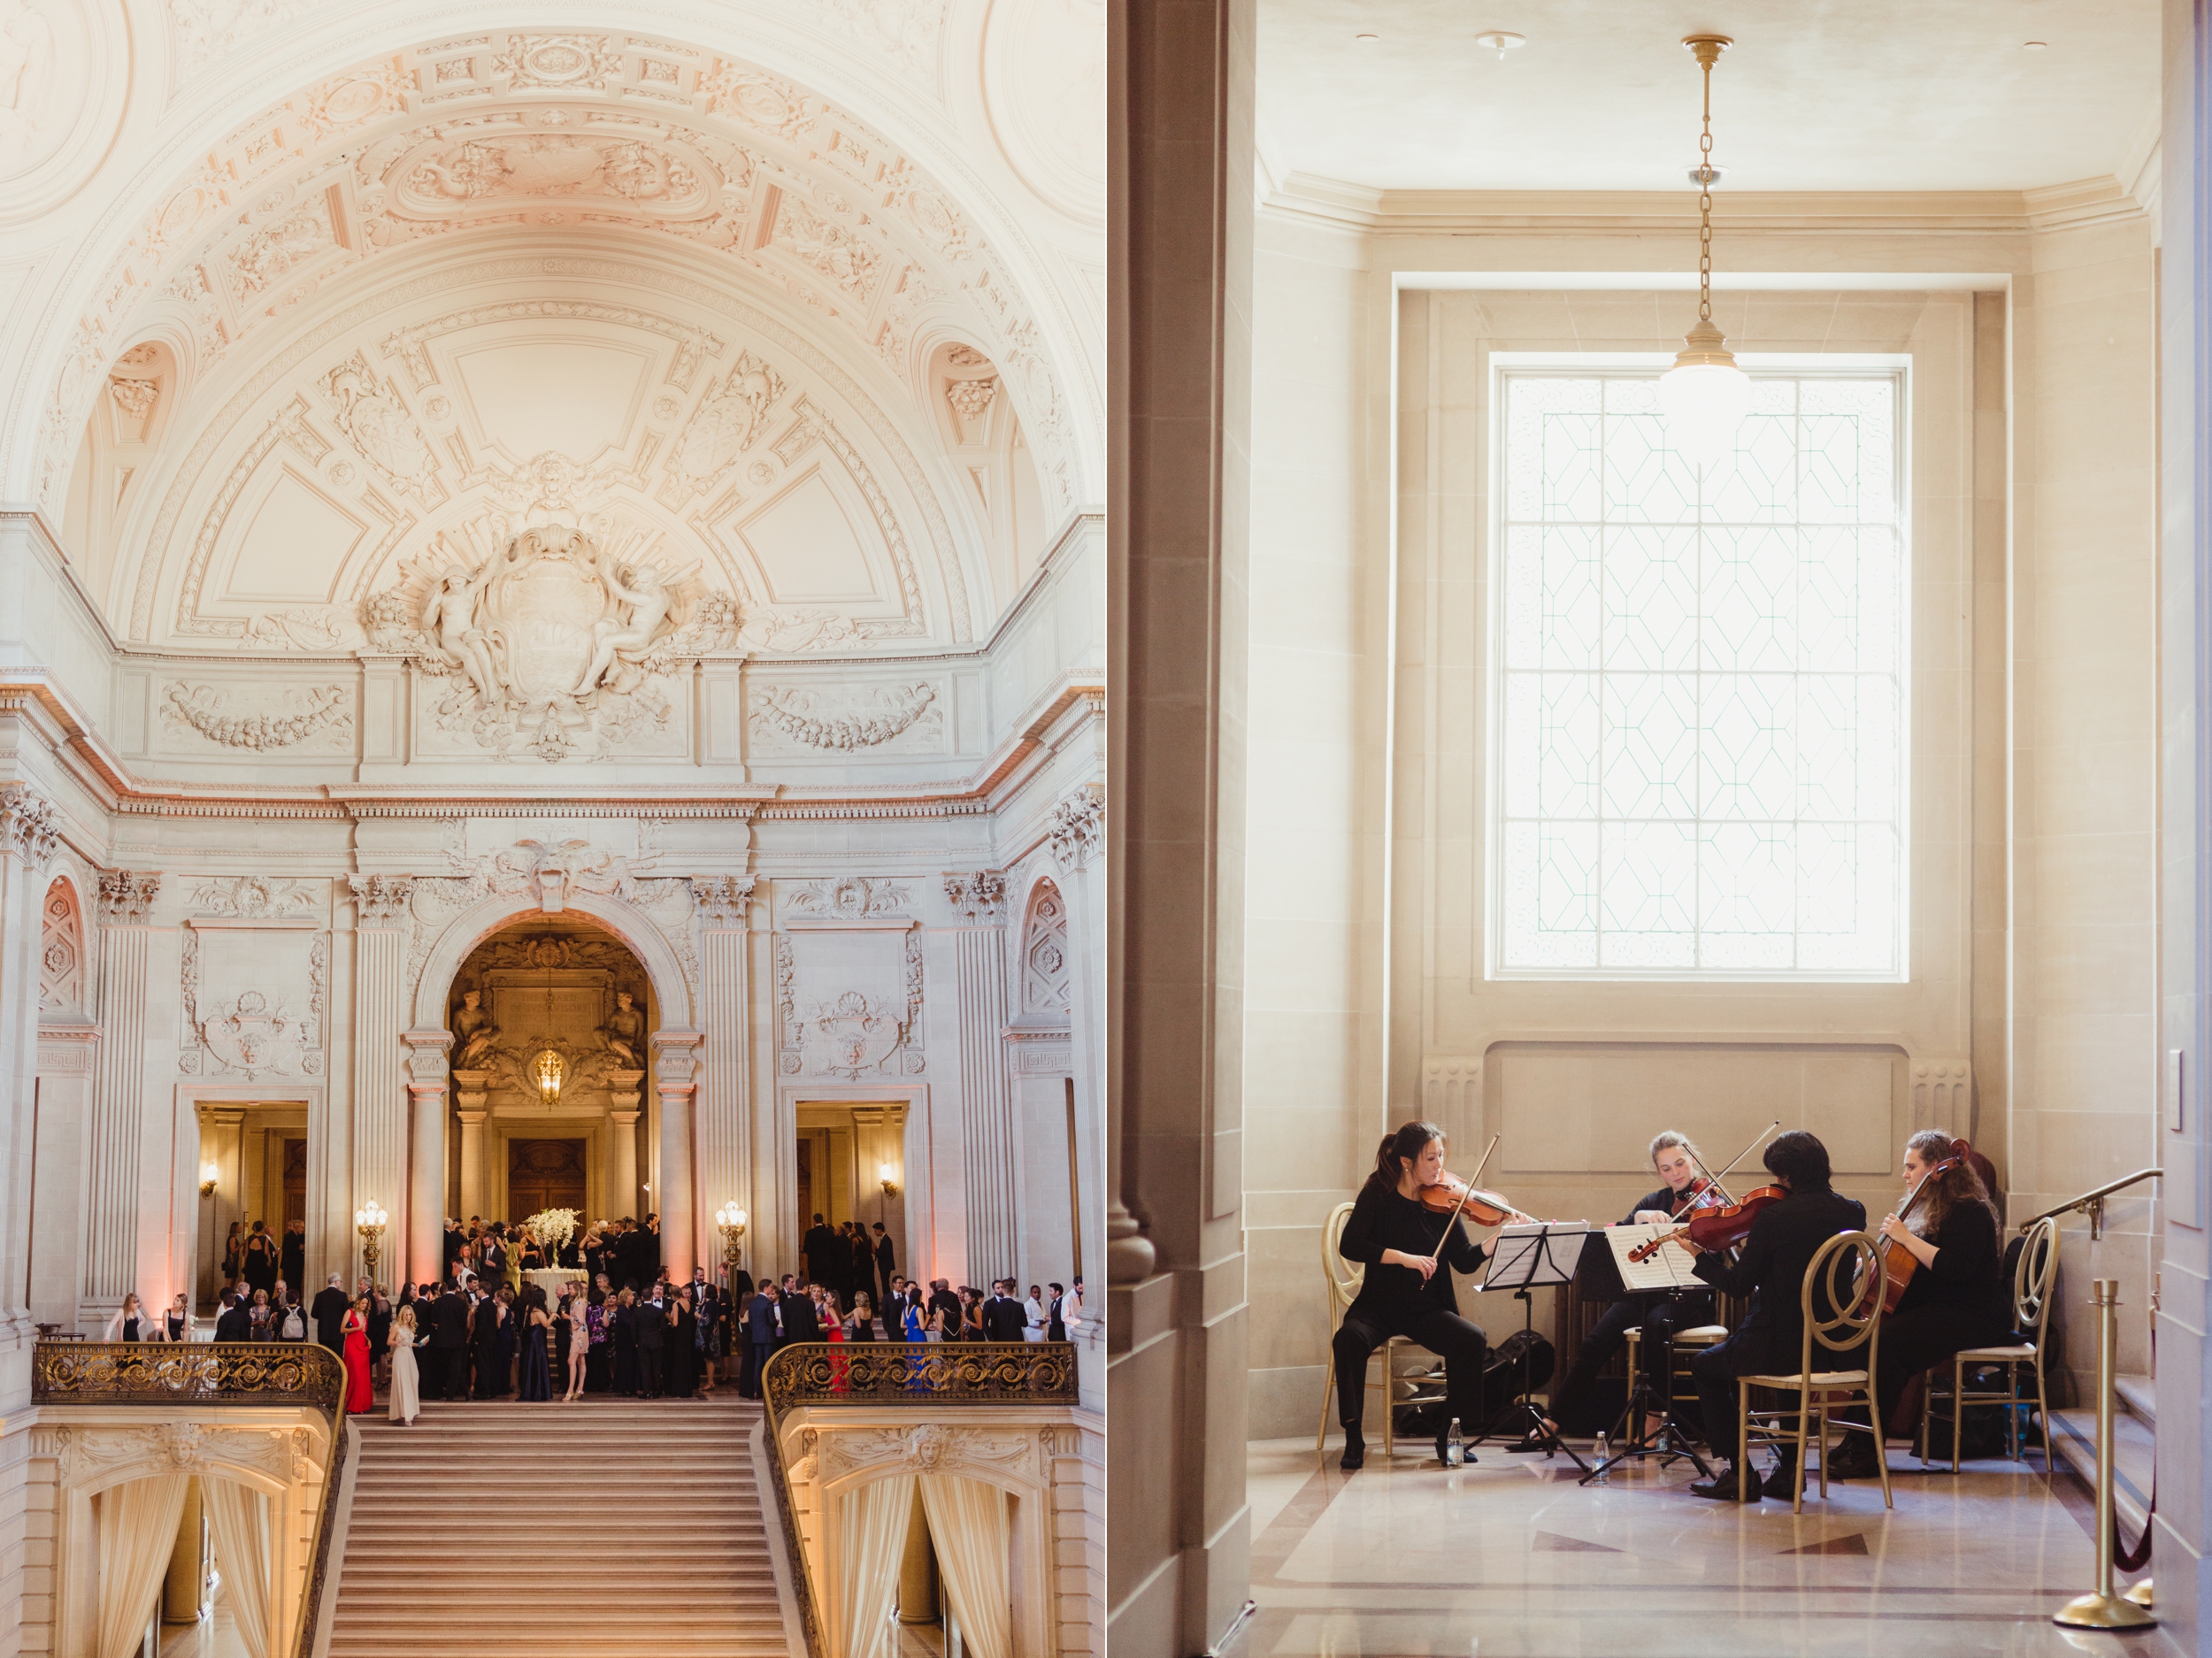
(1602, 1450)
(1455, 1447)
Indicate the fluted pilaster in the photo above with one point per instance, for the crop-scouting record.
(119, 1100)
(993, 1233)
(427, 1078)
(722, 1109)
(380, 1061)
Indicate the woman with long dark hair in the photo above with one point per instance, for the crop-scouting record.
(1407, 1290)
(1957, 1298)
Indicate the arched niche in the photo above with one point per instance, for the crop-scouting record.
(62, 966)
(671, 989)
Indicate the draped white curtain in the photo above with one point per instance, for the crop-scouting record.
(239, 1517)
(137, 1524)
(968, 1525)
(871, 1545)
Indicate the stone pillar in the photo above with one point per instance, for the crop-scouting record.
(469, 1110)
(28, 839)
(119, 1100)
(622, 1176)
(222, 1143)
(380, 1085)
(722, 1111)
(1180, 124)
(986, 1103)
(426, 1186)
(675, 1063)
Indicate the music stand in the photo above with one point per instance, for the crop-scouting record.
(1523, 1259)
(1669, 1441)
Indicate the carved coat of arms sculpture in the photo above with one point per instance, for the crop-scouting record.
(553, 641)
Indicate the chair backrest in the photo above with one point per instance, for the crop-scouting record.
(2034, 1277)
(1842, 1302)
(1343, 1277)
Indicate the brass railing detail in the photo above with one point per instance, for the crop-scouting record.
(2094, 1201)
(930, 1374)
(325, 1528)
(187, 1373)
(923, 1374)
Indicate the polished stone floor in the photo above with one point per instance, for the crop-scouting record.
(1512, 1558)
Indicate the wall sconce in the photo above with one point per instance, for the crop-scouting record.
(730, 1221)
(369, 1220)
(209, 1174)
(890, 1180)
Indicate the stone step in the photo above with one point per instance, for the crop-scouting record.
(2139, 1397)
(2134, 1458)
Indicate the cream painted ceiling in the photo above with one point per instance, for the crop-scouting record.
(1815, 94)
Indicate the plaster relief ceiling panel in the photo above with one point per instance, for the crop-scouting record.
(295, 543)
(575, 397)
(808, 549)
(1815, 94)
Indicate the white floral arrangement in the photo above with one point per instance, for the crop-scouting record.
(553, 1227)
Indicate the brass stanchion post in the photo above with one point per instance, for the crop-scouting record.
(2103, 1609)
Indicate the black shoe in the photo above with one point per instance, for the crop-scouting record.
(1781, 1484)
(1722, 1487)
(1355, 1450)
(1853, 1459)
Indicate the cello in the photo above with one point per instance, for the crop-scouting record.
(1899, 1263)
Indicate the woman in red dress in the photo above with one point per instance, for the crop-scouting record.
(357, 1356)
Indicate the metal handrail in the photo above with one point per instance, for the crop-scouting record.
(2094, 1201)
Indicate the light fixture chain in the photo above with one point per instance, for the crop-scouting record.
(1705, 206)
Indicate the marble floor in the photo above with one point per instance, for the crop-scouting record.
(1513, 1559)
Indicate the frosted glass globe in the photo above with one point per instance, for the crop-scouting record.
(1704, 404)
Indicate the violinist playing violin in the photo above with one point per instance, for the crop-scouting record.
(1770, 1270)
(1407, 1248)
(1956, 1297)
(1661, 1312)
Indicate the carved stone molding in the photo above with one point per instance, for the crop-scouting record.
(126, 898)
(979, 896)
(261, 721)
(850, 898)
(933, 1447)
(250, 898)
(85, 1455)
(790, 1034)
(724, 899)
(1079, 823)
(848, 721)
(427, 1069)
(381, 899)
(850, 1036)
(255, 1034)
(28, 818)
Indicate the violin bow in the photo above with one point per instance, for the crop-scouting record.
(1737, 1158)
(1467, 1190)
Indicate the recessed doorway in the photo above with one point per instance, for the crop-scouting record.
(544, 1174)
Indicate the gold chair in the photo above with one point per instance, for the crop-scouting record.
(1343, 1278)
(1686, 1345)
(1850, 1328)
(2033, 1277)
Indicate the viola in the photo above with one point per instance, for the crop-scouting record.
(1703, 1192)
(1716, 1225)
(1899, 1263)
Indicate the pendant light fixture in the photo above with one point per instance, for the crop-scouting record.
(1705, 395)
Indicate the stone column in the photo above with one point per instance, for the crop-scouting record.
(119, 1100)
(469, 1110)
(622, 1177)
(986, 1103)
(721, 1129)
(426, 1186)
(223, 1143)
(675, 1063)
(28, 839)
(380, 1085)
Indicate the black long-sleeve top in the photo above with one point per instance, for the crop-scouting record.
(1381, 1219)
(1969, 1273)
(1771, 1268)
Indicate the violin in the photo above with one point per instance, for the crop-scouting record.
(1899, 1263)
(1701, 1193)
(1716, 1225)
(1452, 1195)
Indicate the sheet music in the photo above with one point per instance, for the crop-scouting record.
(1668, 1269)
(1544, 1253)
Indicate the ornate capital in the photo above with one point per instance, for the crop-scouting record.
(28, 818)
(126, 898)
(1078, 824)
(675, 1059)
(382, 900)
(725, 899)
(427, 1060)
(979, 896)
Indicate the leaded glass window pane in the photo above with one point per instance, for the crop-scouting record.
(1698, 681)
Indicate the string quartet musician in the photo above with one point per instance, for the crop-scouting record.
(1957, 1298)
(1659, 1312)
(1771, 1271)
(1407, 1290)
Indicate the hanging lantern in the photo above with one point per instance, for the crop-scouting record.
(550, 1074)
(1705, 395)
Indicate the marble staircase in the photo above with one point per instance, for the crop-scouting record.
(560, 1529)
(2134, 1428)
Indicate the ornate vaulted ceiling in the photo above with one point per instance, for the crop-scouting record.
(838, 364)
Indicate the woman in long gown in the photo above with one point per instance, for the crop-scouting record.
(356, 1327)
(682, 1357)
(576, 1318)
(537, 1374)
(261, 1258)
(406, 1402)
(599, 1355)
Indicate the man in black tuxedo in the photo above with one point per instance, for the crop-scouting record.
(820, 1247)
(330, 1313)
(493, 1268)
(764, 1330)
(941, 1298)
(233, 1322)
(1004, 1318)
(886, 1265)
(450, 1342)
(454, 1239)
(650, 1322)
(293, 1253)
(1770, 1270)
(800, 1321)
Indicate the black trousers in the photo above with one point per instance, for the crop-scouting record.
(1919, 1338)
(1660, 1319)
(1747, 1352)
(452, 1372)
(649, 1372)
(1461, 1345)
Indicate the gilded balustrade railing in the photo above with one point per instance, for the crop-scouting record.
(925, 1376)
(214, 1373)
